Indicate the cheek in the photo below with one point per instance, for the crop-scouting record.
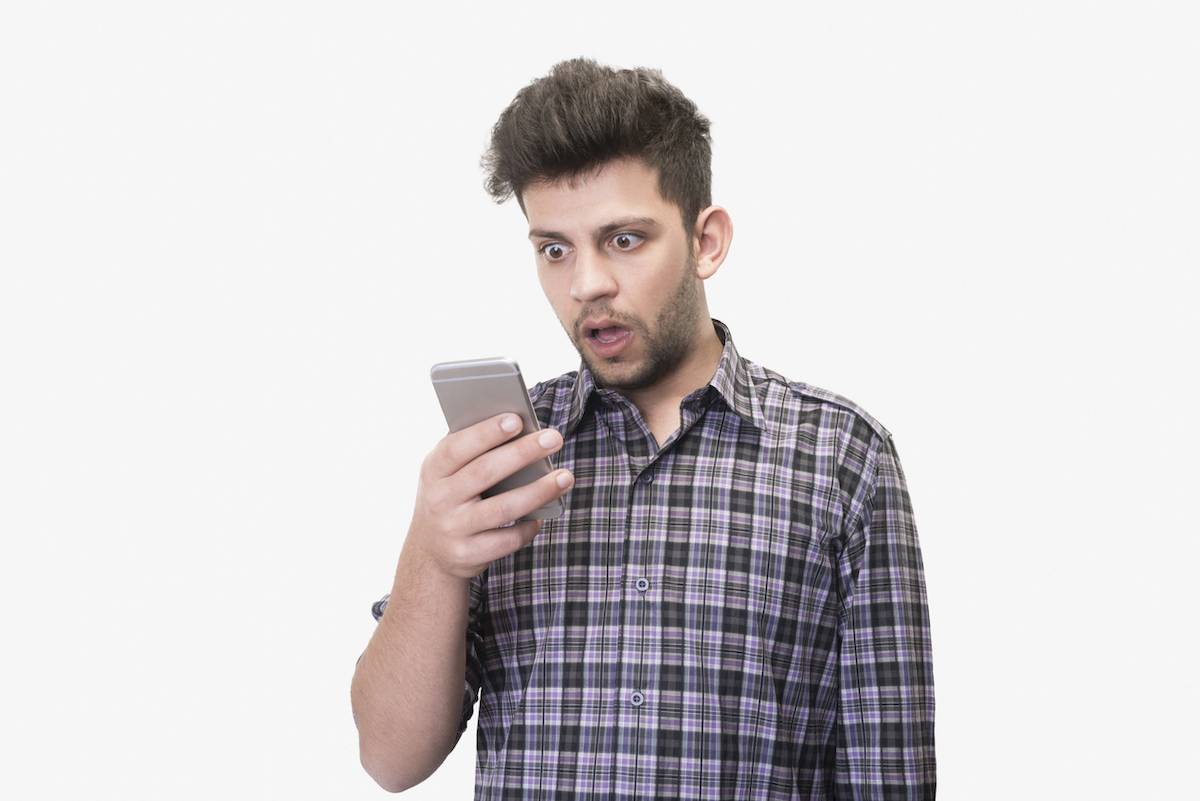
(556, 288)
(545, 279)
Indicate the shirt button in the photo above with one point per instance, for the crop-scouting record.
(637, 699)
(642, 585)
(645, 478)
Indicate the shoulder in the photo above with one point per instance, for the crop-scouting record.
(830, 434)
(783, 400)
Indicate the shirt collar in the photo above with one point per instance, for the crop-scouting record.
(731, 382)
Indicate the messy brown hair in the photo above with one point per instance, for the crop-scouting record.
(583, 114)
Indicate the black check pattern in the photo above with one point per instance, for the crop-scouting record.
(739, 613)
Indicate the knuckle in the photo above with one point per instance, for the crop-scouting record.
(483, 516)
(426, 467)
(435, 495)
(442, 527)
(460, 552)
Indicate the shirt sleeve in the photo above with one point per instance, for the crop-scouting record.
(885, 746)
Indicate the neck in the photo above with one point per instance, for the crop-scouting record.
(659, 402)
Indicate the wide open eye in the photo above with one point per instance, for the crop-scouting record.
(626, 241)
(553, 251)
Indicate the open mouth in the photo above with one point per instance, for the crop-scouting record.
(607, 335)
(609, 342)
(610, 335)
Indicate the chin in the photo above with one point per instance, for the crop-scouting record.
(623, 378)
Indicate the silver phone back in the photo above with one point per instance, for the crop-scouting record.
(474, 390)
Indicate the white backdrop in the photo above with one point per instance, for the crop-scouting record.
(235, 235)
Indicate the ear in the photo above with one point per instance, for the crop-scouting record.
(710, 240)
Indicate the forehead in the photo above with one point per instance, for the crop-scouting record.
(617, 189)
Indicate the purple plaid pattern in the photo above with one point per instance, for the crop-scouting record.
(738, 614)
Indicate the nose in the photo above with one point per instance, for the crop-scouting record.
(592, 278)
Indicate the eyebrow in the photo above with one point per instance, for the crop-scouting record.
(602, 231)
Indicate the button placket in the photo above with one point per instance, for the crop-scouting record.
(642, 490)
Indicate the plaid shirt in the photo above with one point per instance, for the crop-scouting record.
(739, 613)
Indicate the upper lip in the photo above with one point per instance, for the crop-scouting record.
(596, 324)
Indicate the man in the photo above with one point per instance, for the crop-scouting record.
(732, 605)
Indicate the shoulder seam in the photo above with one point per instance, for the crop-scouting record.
(802, 390)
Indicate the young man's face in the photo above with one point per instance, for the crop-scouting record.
(618, 268)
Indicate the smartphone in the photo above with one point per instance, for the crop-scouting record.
(473, 391)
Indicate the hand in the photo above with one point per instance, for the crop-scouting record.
(457, 531)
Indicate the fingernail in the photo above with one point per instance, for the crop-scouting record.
(564, 479)
(548, 438)
(511, 424)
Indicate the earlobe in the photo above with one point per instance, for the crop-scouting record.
(710, 240)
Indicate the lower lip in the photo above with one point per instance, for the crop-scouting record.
(609, 350)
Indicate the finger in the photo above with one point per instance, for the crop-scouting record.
(500, 463)
(488, 546)
(499, 510)
(462, 447)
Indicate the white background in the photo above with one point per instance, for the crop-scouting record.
(235, 235)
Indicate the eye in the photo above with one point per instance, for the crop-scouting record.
(626, 241)
(553, 251)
